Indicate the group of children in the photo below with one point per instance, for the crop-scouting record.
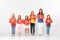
(30, 21)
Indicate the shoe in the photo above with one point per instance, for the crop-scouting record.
(13, 35)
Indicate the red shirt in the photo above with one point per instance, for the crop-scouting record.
(40, 16)
(19, 21)
(13, 22)
(26, 22)
(33, 17)
(48, 21)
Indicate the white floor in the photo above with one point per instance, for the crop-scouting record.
(30, 37)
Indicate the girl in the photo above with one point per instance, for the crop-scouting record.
(40, 17)
(19, 22)
(48, 23)
(26, 22)
(12, 20)
(32, 22)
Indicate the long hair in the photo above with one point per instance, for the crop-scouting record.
(32, 12)
(18, 16)
(27, 17)
(40, 12)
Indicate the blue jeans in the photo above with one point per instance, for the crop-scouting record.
(13, 29)
(32, 28)
(48, 29)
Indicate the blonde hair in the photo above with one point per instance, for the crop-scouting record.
(13, 15)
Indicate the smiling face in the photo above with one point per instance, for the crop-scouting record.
(48, 16)
(40, 10)
(19, 16)
(32, 12)
(26, 17)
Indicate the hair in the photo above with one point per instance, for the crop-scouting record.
(27, 17)
(41, 11)
(49, 16)
(18, 16)
(13, 15)
(32, 12)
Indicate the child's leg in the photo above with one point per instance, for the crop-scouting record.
(48, 29)
(19, 33)
(38, 28)
(33, 28)
(41, 25)
(28, 30)
(13, 30)
(19, 29)
(25, 30)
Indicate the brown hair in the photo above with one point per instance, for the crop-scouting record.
(27, 17)
(41, 11)
(19, 16)
(47, 16)
(32, 12)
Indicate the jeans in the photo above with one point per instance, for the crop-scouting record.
(40, 28)
(32, 28)
(13, 29)
(48, 29)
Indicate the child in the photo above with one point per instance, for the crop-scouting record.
(19, 22)
(26, 22)
(32, 22)
(48, 23)
(12, 20)
(40, 17)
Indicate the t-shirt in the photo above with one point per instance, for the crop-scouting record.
(12, 21)
(48, 21)
(26, 22)
(19, 21)
(32, 18)
(40, 18)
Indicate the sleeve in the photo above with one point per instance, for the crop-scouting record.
(43, 16)
(46, 21)
(17, 21)
(23, 21)
(35, 17)
(29, 21)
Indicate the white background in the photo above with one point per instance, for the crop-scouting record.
(24, 7)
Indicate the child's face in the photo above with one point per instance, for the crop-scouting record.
(26, 17)
(19, 16)
(32, 13)
(40, 11)
(48, 16)
(13, 16)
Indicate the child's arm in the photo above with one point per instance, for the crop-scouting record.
(35, 17)
(46, 21)
(17, 21)
(23, 21)
(42, 16)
